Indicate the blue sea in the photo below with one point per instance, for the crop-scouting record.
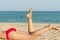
(38, 16)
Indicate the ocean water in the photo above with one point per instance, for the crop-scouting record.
(38, 16)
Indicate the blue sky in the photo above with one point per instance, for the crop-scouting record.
(24, 5)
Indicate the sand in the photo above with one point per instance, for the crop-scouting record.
(50, 35)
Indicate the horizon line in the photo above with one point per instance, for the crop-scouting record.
(13, 10)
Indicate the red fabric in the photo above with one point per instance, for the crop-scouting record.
(8, 31)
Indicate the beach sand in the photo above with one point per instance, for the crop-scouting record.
(50, 35)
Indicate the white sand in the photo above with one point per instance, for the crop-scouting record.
(50, 35)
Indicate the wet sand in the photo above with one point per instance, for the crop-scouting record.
(50, 35)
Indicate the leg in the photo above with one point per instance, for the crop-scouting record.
(41, 31)
(58, 29)
(30, 24)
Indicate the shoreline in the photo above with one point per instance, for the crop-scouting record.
(33, 22)
(27, 23)
(6, 25)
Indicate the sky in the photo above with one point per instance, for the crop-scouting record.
(25, 5)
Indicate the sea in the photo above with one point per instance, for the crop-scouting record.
(37, 16)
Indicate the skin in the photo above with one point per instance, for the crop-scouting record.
(31, 34)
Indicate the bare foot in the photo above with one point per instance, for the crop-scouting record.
(58, 29)
(51, 27)
(29, 15)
